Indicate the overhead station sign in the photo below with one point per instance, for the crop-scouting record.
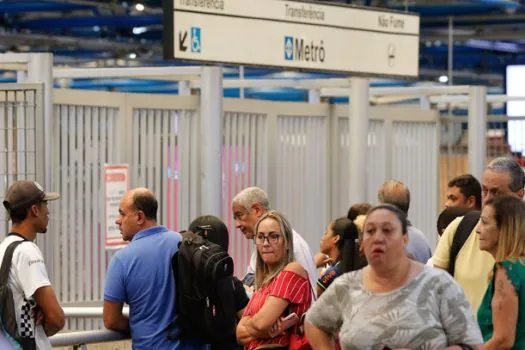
(292, 34)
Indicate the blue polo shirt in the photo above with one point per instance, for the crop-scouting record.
(141, 276)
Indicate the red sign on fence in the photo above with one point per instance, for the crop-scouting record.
(116, 183)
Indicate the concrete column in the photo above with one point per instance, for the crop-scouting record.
(477, 130)
(358, 116)
(210, 141)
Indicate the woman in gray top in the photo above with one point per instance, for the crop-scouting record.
(394, 302)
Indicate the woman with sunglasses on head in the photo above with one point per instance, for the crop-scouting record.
(501, 315)
(282, 288)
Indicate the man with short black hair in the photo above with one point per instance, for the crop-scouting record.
(464, 191)
(38, 313)
(141, 275)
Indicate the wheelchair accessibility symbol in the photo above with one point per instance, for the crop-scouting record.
(195, 39)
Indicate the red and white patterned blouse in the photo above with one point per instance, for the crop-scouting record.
(288, 286)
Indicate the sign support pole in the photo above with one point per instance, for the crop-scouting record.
(358, 118)
(210, 141)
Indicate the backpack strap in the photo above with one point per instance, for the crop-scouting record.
(465, 227)
(6, 262)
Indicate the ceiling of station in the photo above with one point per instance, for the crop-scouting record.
(487, 36)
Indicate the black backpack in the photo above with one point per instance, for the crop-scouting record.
(7, 305)
(205, 301)
(465, 227)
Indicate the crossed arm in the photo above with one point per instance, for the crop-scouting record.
(259, 325)
(49, 313)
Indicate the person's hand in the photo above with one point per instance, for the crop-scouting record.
(38, 316)
(249, 290)
(321, 260)
(276, 329)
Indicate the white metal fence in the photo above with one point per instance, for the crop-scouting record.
(21, 138)
(402, 145)
(245, 163)
(297, 152)
(501, 131)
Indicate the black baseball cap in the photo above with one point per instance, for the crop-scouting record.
(26, 192)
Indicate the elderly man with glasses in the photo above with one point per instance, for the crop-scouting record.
(248, 206)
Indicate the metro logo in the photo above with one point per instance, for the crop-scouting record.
(295, 49)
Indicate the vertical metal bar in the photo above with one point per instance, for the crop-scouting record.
(165, 172)
(22, 150)
(40, 70)
(477, 119)
(211, 135)
(135, 154)
(314, 96)
(72, 217)
(56, 210)
(3, 169)
(150, 138)
(35, 143)
(359, 111)
(64, 165)
(194, 123)
(143, 149)
(175, 165)
(158, 169)
(97, 194)
(251, 165)
(450, 50)
(226, 170)
(90, 206)
(103, 159)
(80, 224)
(11, 149)
(389, 148)
(185, 161)
(241, 77)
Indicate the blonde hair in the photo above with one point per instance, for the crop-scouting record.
(262, 272)
(509, 213)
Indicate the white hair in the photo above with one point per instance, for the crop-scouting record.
(509, 165)
(250, 196)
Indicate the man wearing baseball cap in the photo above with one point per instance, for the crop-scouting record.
(38, 313)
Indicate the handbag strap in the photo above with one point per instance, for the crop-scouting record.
(6, 262)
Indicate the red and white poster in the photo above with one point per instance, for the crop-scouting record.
(116, 183)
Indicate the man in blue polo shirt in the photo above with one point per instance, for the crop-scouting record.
(141, 276)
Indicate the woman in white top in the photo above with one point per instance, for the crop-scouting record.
(394, 302)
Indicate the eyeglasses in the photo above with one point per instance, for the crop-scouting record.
(272, 238)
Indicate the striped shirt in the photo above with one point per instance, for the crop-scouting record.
(288, 286)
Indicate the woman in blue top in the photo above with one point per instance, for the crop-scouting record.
(340, 243)
(501, 315)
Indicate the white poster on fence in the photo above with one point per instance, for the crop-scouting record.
(116, 183)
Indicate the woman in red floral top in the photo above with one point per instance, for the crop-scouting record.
(282, 287)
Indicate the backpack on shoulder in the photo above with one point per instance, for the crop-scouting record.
(205, 302)
(465, 227)
(8, 325)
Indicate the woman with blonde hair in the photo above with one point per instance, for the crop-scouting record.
(282, 288)
(501, 315)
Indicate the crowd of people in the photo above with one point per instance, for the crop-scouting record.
(373, 284)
